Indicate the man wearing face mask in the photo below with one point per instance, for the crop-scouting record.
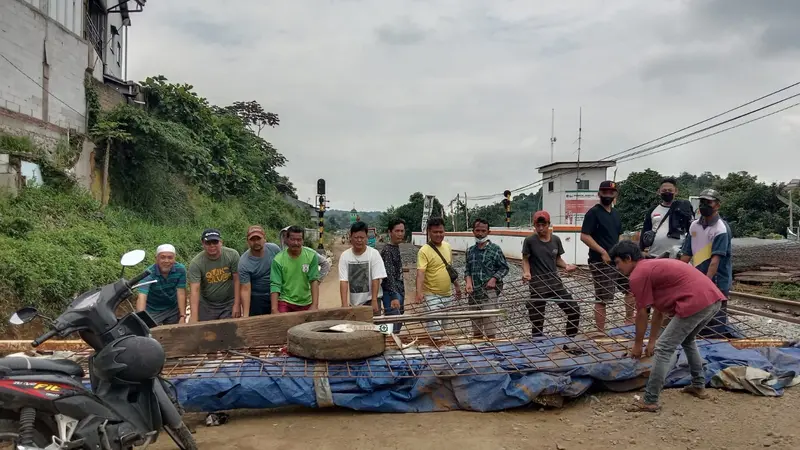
(600, 231)
(708, 247)
(665, 225)
(486, 268)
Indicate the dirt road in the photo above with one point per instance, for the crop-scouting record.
(726, 421)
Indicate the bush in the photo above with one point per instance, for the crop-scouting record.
(56, 244)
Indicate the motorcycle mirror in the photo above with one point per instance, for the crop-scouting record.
(23, 315)
(132, 258)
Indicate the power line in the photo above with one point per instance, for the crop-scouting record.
(40, 85)
(649, 149)
(706, 120)
(712, 134)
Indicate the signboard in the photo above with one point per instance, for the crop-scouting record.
(427, 208)
(576, 204)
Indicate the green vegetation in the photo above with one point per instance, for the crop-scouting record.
(175, 166)
(790, 291)
(751, 207)
(56, 243)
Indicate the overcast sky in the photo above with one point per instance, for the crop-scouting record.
(386, 97)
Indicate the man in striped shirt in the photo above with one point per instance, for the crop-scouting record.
(164, 300)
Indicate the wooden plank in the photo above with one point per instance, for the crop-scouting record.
(258, 331)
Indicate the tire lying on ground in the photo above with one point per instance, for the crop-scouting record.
(314, 340)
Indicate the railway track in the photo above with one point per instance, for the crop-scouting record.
(771, 307)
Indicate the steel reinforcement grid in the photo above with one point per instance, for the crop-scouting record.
(506, 343)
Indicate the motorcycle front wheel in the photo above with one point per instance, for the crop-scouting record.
(181, 436)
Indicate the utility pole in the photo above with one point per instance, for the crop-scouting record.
(580, 133)
(552, 132)
(791, 211)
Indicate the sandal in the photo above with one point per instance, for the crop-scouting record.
(640, 406)
(696, 392)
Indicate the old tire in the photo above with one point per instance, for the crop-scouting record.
(309, 340)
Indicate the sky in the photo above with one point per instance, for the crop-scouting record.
(383, 98)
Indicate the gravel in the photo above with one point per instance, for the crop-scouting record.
(581, 288)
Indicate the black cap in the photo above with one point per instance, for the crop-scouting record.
(710, 194)
(608, 185)
(210, 234)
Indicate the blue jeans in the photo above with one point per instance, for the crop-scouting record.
(389, 311)
(680, 331)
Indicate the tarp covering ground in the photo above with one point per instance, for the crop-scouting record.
(503, 386)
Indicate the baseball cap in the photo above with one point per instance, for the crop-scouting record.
(608, 185)
(541, 215)
(255, 230)
(210, 234)
(710, 194)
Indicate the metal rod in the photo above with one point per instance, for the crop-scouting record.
(256, 358)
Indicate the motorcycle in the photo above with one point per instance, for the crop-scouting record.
(44, 404)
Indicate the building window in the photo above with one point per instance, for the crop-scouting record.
(584, 184)
(95, 24)
(116, 47)
(550, 186)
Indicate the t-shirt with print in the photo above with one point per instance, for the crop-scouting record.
(163, 294)
(359, 271)
(437, 280)
(662, 243)
(604, 227)
(215, 276)
(672, 287)
(292, 277)
(709, 238)
(255, 270)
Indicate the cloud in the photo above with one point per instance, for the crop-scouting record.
(443, 96)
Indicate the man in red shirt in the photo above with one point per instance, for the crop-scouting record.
(671, 288)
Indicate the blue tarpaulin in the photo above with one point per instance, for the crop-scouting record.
(509, 382)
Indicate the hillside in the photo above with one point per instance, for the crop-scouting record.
(175, 167)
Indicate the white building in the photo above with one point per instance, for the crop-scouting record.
(569, 188)
(46, 49)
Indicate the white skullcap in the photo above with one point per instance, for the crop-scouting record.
(165, 248)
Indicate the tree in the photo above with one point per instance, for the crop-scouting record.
(637, 194)
(411, 213)
(253, 114)
(108, 131)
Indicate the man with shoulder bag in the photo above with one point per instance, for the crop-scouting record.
(665, 225)
(437, 279)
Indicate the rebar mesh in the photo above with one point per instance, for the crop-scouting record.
(512, 342)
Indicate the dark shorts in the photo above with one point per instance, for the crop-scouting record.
(260, 305)
(214, 312)
(167, 317)
(607, 281)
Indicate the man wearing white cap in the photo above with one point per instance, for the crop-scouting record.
(164, 300)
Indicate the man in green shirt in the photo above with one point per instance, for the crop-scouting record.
(294, 276)
(214, 280)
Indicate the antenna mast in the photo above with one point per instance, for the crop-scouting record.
(580, 131)
(552, 132)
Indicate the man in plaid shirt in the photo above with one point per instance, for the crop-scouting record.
(393, 286)
(486, 268)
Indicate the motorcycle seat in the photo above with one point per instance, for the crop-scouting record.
(64, 366)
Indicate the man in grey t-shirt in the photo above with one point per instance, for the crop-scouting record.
(254, 269)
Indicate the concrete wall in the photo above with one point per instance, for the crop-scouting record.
(553, 202)
(49, 57)
(575, 251)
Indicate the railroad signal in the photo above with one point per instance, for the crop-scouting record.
(321, 186)
(507, 204)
